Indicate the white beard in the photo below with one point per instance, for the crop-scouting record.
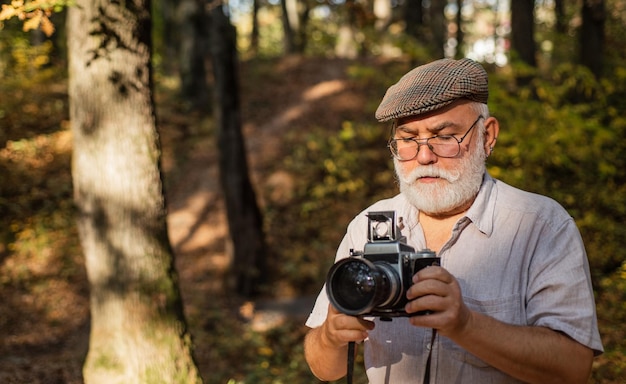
(453, 190)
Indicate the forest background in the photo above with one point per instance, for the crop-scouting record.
(309, 85)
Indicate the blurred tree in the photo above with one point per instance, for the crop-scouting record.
(560, 16)
(138, 330)
(380, 10)
(438, 26)
(413, 17)
(192, 33)
(459, 29)
(166, 34)
(523, 31)
(295, 17)
(254, 36)
(358, 17)
(245, 222)
(592, 35)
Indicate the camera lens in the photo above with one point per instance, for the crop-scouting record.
(382, 229)
(355, 286)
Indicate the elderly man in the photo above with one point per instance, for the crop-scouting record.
(512, 300)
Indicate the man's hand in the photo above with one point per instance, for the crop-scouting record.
(435, 290)
(532, 354)
(339, 329)
(326, 347)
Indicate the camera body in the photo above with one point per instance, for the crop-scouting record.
(373, 282)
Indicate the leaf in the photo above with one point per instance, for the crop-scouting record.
(47, 26)
(8, 12)
(33, 22)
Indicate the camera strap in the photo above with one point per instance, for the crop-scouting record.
(350, 362)
(430, 355)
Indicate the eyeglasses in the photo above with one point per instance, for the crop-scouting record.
(441, 145)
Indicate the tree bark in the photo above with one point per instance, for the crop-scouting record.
(248, 267)
(138, 332)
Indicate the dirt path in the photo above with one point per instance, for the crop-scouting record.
(300, 97)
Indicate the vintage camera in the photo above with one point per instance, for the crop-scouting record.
(373, 282)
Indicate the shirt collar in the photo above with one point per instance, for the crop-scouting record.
(482, 210)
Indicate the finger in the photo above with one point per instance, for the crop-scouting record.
(429, 303)
(340, 337)
(352, 322)
(426, 320)
(433, 272)
(427, 287)
(352, 335)
(367, 324)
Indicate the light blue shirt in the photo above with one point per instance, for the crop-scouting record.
(518, 258)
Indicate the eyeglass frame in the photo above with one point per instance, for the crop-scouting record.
(420, 143)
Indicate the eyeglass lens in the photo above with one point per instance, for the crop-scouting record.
(443, 146)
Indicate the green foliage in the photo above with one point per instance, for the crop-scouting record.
(322, 37)
(332, 169)
(562, 136)
(23, 63)
(558, 138)
(239, 354)
(270, 39)
(611, 310)
(339, 160)
(35, 14)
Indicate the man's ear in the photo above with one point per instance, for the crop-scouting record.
(492, 129)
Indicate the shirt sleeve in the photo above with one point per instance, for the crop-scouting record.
(560, 295)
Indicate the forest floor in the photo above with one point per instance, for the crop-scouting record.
(44, 332)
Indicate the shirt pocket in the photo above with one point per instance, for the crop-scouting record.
(505, 309)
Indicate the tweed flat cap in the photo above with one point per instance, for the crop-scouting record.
(433, 86)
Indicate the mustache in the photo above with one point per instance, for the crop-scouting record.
(429, 171)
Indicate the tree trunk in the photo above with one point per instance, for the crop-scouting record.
(254, 36)
(592, 35)
(169, 35)
(523, 30)
(295, 17)
(138, 331)
(458, 53)
(559, 14)
(288, 30)
(191, 23)
(438, 26)
(413, 17)
(245, 222)
(380, 8)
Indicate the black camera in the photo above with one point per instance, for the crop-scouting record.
(373, 282)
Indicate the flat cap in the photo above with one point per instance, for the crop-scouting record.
(433, 86)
